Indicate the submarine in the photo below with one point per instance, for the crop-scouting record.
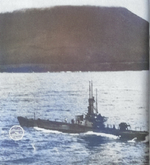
(92, 121)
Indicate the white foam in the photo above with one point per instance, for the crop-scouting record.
(102, 134)
(54, 131)
(33, 147)
(146, 139)
(133, 140)
(75, 134)
(47, 131)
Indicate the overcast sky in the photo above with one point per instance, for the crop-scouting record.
(139, 7)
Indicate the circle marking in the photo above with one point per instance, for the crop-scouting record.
(16, 132)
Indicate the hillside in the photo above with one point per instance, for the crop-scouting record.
(73, 38)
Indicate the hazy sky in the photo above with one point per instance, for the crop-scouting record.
(139, 7)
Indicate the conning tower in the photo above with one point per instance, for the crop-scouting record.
(91, 100)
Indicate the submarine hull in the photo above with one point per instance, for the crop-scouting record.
(77, 128)
(53, 125)
(127, 134)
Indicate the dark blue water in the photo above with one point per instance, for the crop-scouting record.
(122, 96)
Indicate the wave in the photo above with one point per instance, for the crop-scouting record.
(101, 134)
(146, 139)
(47, 131)
(133, 140)
(77, 134)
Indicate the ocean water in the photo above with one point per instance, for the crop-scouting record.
(122, 97)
